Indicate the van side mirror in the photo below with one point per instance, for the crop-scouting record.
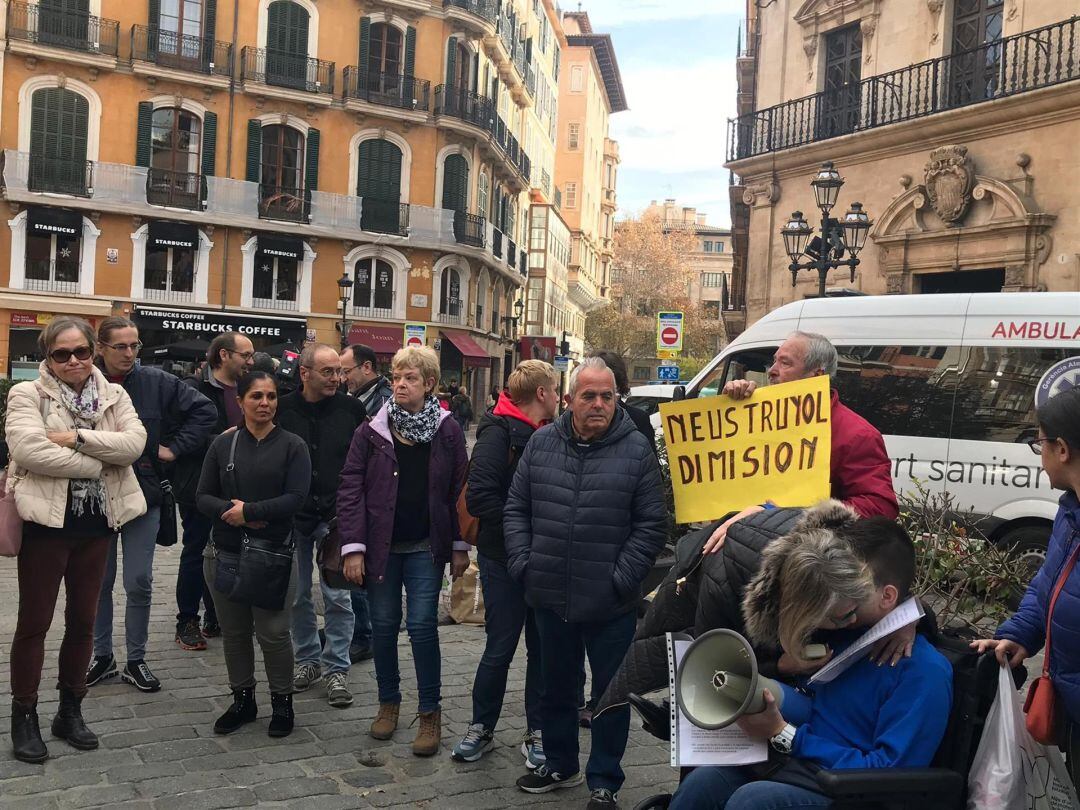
(679, 394)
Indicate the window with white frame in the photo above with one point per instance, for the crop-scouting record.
(570, 198)
(52, 260)
(450, 293)
(373, 287)
(573, 136)
(577, 79)
(275, 279)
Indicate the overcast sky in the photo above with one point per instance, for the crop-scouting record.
(677, 59)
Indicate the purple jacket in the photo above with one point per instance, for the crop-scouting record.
(367, 494)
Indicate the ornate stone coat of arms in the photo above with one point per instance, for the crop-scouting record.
(950, 178)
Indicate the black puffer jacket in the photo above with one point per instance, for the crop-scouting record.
(584, 522)
(699, 593)
(500, 441)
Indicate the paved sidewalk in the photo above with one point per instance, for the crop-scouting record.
(158, 751)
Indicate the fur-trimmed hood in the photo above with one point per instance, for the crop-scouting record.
(762, 599)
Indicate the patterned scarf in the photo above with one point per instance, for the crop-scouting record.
(417, 427)
(87, 494)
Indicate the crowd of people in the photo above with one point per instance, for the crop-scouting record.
(364, 480)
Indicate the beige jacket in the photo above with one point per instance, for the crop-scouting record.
(40, 471)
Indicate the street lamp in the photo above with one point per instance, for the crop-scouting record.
(840, 241)
(345, 285)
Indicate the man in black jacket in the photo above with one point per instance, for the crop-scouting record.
(584, 523)
(178, 421)
(325, 418)
(501, 437)
(229, 358)
(360, 370)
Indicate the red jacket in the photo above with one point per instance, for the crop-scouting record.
(861, 469)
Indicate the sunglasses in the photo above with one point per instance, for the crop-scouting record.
(62, 356)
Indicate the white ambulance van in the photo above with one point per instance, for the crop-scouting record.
(951, 381)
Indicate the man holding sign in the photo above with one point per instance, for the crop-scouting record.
(859, 466)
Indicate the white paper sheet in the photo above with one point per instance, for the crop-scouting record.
(907, 613)
(692, 746)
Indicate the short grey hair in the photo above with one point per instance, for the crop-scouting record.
(307, 356)
(820, 353)
(593, 364)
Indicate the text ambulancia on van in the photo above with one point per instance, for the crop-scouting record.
(952, 383)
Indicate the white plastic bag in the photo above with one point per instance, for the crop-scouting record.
(1011, 771)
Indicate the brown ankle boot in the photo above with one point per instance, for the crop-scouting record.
(429, 735)
(386, 721)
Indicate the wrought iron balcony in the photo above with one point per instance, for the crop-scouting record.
(487, 10)
(176, 189)
(469, 229)
(280, 69)
(472, 108)
(1006, 67)
(184, 52)
(506, 29)
(61, 176)
(71, 30)
(384, 216)
(387, 89)
(284, 203)
(519, 59)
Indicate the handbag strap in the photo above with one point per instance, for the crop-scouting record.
(1069, 566)
(230, 468)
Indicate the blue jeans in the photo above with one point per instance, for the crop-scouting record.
(506, 614)
(361, 634)
(337, 616)
(139, 538)
(422, 580)
(734, 789)
(606, 643)
(190, 582)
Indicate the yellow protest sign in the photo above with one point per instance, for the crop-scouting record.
(728, 454)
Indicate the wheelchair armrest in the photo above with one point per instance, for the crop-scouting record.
(841, 784)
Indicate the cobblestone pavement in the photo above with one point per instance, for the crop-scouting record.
(158, 750)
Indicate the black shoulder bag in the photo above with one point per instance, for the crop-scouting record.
(264, 568)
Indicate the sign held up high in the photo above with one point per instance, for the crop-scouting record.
(728, 454)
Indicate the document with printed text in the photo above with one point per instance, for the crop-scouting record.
(908, 613)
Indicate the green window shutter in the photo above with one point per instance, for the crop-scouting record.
(365, 45)
(153, 14)
(410, 51)
(39, 106)
(254, 150)
(210, 22)
(451, 62)
(209, 144)
(379, 173)
(455, 194)
(287, 28)
(143, 145)
(311, 162)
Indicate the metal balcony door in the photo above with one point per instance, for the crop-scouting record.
(378, 185)
(840, 101)
(178, 42)
(64, 22)
(286, 45)
(59, 122)
(975, 70)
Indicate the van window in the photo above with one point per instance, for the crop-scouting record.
(751, 364)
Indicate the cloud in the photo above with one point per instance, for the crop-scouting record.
(619, 12)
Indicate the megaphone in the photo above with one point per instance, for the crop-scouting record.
(718, 681)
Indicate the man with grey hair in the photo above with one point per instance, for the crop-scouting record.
(860, 468)
(583, 524)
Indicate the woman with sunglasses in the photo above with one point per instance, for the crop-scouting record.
(1058, 445)
(73, 437)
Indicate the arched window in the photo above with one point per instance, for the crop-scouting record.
(483, 194)
(373, 290)
(386, 51)
(287, 44)
(59, 125)
(282, 172)
(378, 185)
(175, 141)
(450, 293)
(455, 192)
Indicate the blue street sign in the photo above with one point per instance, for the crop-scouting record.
(668, 373)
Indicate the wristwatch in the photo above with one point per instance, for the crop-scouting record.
(78, 442)
(783, 742)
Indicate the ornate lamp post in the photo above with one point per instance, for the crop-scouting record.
(840, 241)
(345, 285)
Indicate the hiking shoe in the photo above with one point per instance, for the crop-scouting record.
(337, 690)
(385, 723)
(189, 637)
(306, 675)
(429, 735)
(138, 674)
(477, 741)
(602, 799)
(544, 781)
(210, 628)
(102, 667)
(360, 652)
(533, 750)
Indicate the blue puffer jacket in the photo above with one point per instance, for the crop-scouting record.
(1028, 626)
(584, 522)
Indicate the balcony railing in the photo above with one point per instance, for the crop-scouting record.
(519, 59)
(176, 189)
(387, 89)
(472, 108)
(283, 304)
(384, 216)
(60, 176)
(506, 27)
(284, 203)
(287, 70)
(71, 30)
(484, 9)
(469, 229)
(1016, 64)
(451, 317)
(181, 51)
(173, 296)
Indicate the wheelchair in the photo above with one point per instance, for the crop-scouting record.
(942, 786)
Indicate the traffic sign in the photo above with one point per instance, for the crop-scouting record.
(415, 335)
(562, 363)
(668, 373)
(669, 331)
(667, 362)
(664, 354)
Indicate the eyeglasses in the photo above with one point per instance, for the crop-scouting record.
(124, 347)
(62, 356)
(246, 355)
(1036, 444)
(843, 621)
(344, 371)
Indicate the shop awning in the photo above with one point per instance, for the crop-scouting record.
(288, 247)
(469, 348)
(384, 340)
(42, 221)
(173, 235)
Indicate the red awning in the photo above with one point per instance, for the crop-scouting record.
(384, 340)
(470, 350)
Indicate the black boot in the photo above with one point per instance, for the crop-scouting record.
(281, 724)
(26, 734)
(243, 710)
(68, 723)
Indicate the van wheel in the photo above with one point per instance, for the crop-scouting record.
(1029, 543)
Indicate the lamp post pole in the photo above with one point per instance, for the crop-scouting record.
(345, 285)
